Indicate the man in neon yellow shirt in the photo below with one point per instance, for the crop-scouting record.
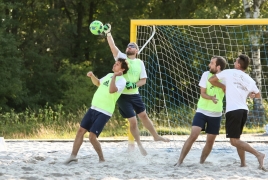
(208, 113)
(103, 103)
(130, 102)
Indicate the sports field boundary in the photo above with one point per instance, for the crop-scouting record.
(250, 138)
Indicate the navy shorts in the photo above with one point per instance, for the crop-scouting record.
(211, 125)
(129, 104)
(94, 121)
(235, 121)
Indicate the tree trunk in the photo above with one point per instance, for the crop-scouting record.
(258, 109)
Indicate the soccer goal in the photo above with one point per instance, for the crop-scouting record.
(177, 52)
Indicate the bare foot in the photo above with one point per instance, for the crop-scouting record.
(142, 150)
(177, 164)
(263, 168)
(131, 147)
(70, 159)
(161, 138)
(260, 158)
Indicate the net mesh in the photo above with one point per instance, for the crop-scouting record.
(175, 59)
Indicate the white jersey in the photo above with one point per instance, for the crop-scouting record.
(124, 56)
(238, 86)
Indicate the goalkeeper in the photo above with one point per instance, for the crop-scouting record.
(209, 111)
(130, 101)
(102, 107)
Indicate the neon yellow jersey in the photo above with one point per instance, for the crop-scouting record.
(207, 104)
(102, 98)
(133, 75)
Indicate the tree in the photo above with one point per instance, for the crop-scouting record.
(252, 10)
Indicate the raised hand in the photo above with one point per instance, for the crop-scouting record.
(90, 74)
(107, 28)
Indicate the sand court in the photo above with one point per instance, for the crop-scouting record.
(34, 160)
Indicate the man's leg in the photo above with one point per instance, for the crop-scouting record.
(243, 146)
(242, 157)
(96, 144)
(76, 145)
(147, 123)
(188, 143)
(208, 147)
(136, 133)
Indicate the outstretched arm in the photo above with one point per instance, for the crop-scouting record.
(94, 80)
(215, 82)
(107, 31)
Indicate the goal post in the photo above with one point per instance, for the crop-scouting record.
(180, 52)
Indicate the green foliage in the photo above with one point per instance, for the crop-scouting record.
(52, 122)
(77, 88)
(47, 48)
(11, 86)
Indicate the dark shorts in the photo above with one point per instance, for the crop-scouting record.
(129, 104)
(235, 121)
(94, 121)
(211, 125)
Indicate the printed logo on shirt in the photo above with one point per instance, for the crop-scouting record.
(241, 82)
(106, 83)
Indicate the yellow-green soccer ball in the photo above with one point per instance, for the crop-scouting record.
(96, 27)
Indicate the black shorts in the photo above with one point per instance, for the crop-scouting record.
(210, 125)
(94, 121)
(129, 104)
(235, 121)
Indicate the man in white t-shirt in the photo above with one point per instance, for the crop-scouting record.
(130, 102)
(238, 86)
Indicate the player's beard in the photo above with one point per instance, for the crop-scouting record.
(213, 71)
(130, 53)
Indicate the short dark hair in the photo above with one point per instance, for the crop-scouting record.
(243, 61)
(220, 61)
(124, 64)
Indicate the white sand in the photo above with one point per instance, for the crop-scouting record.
(44, 160)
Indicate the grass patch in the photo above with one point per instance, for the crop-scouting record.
(53, 123)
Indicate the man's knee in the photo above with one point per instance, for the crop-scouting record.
(143, 115)
(233, 141)
(133, 121)
(92, 137)
(81, 131)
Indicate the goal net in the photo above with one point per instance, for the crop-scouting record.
(177, 54)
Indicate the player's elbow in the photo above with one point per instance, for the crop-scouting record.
(142, 82)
